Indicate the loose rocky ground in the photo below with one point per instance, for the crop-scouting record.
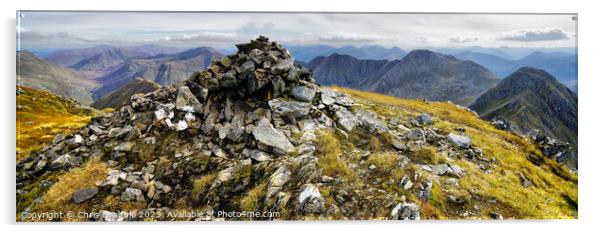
(255, 133)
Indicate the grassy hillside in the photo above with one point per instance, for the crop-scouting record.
(41, 115)
(554, 190)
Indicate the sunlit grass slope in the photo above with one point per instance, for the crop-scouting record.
(554, 190)
(41, 115)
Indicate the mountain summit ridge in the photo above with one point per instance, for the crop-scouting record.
(531, 99)
(420, 74)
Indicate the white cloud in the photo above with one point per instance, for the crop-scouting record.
(463, 40)
(351, 38)
(545, 34)
(202, 37)
(222, 29)
(26, 34)
(250, 26)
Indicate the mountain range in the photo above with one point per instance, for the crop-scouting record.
(70, 57)
(420, 74)
(89, 74)
(563, 66)
(163, 69)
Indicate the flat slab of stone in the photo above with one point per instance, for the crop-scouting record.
(84, 194)
(268, 138)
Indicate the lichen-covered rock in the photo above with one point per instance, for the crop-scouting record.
(371, 122)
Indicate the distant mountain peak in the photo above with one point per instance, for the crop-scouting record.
(530, 99)
(338, 55)
(534, 75)
(421, 52)
(426, 55)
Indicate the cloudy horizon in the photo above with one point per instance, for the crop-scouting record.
(45, 30)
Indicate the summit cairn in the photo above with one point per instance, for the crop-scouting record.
(260, 69)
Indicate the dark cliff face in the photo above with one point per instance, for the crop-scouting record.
(343, 70)
(532, 99)
(420, 74)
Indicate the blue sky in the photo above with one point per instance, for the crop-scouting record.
(39, 30)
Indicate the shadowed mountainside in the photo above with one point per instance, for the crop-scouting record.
(420, 74)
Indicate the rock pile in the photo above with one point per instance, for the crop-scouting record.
(552, 148)
(501, 124)
(248, 114)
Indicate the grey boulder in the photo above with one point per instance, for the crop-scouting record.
(269, 139)
(132, 194)
(371, 122)
(304, 93)
(84, 194)
(459, 140)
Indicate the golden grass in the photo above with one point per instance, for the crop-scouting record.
(427, 155)
(58, 197)
(41, 115)
(249, 202)
(383, 161)
(329, 156)
(201, 185)
(554, 192)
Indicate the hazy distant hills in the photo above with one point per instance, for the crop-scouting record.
(509, 53)
(531, 98)
(37, 73)
(108, 60)
(563, 66)
(375, 52)
(90, 73)
(420, 74)
(163, 69)
(121, 96)
(70, 57)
